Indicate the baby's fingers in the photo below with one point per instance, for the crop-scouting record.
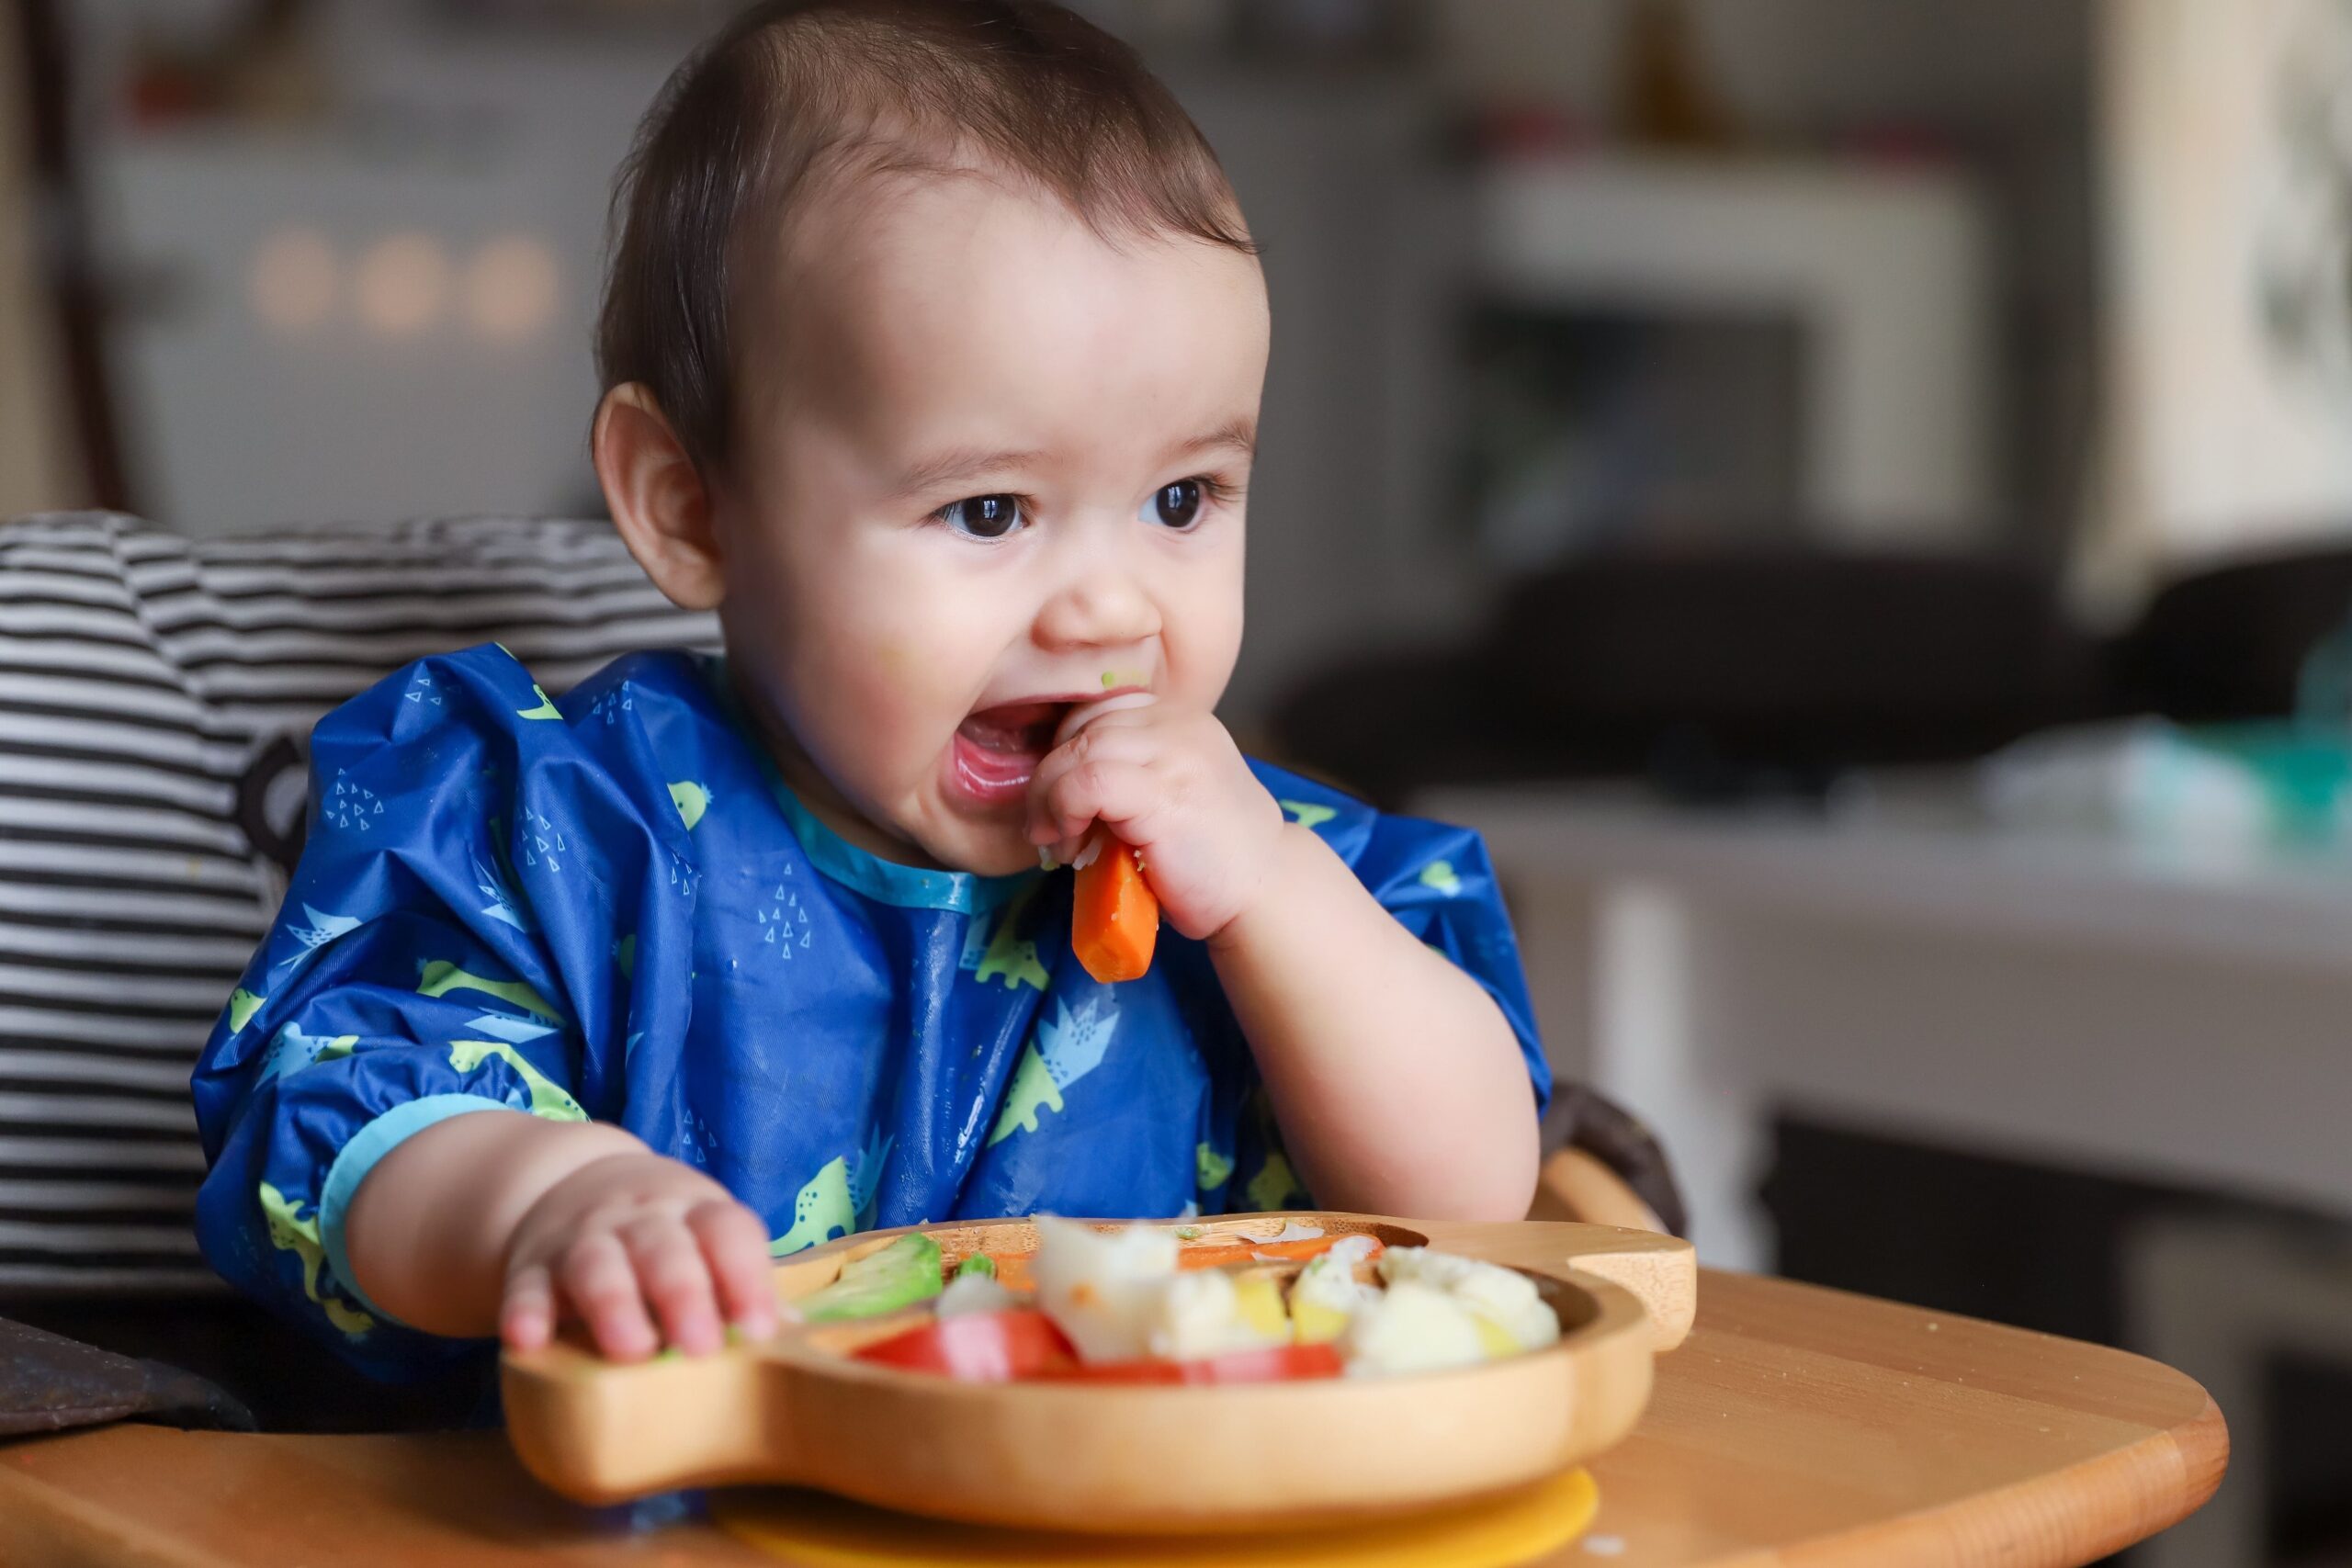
(526, 1317)
(1119, 737)
(600, 1282)
(735, 1247)
(1097, 789)
(671, 1272)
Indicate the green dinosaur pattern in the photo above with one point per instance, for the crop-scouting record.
(1307, 814)
(1213, 1168)
(243, 1005)
(692, 800)
(1274, 1186)
(441, 977)
(823, 1208)
(548, 1097)
(1007, 955)
(1033, 1089)
(1438, 875)
(1065, 1048)
(290, 1232)
(547, 708)
(294, 1049)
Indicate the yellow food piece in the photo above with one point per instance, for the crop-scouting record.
(1493, 1338)
(1259, 1299)
(1312, 1323)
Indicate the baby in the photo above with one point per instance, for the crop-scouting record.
(932, 348)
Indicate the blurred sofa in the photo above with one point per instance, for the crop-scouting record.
(1731, 673)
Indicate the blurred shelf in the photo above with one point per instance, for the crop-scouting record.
(1885, 266)
(2080, 1000)
(1920, 857)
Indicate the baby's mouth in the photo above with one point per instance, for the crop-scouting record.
(998, 748)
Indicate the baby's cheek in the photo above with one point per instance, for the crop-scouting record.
(887, 699)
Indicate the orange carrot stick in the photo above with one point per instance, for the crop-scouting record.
(1245, 1249)
(1115, 919)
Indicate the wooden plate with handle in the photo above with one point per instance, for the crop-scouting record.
(798, 1411)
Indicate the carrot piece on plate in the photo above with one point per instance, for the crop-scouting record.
(1115, 917)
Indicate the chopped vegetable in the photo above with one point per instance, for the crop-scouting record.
(971, 1291)
(997, 1346)
(1501, 1296)
(1209, 1313)
(1259, 1299)
(1005, 1347)
(1217, 1252)
(1280, 1363)
(1136, 1305)
(1114, 916)
(899, 1275)
(1328, 1294)
(1103, 1288)
(1412, 1327)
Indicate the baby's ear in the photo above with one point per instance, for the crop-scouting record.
(658, 499)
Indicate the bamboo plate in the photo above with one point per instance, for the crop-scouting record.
(797, 1410)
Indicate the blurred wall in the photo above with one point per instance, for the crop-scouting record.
(2004, 86)
(39, 467)
(2226, 143)
(1792, 66)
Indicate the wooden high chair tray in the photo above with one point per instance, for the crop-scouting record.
(799, 1410)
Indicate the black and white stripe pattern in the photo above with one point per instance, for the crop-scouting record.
(141, 674)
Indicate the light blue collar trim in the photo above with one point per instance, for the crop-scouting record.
(861, 870)
(887, 882)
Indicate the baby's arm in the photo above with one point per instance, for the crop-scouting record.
(395, 1098)
(502, 1220)
(1398, 1081)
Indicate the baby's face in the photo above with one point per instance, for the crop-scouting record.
(991, 466)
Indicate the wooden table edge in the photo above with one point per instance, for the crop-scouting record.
(2191, 1458)
(44, 1527)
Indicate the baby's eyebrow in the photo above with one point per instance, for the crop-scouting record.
(1239, 436)
(958, 464)
(964, 463)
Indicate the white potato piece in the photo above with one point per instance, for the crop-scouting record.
(1102, 1289)
(1504, 1297)
(1201, 1314)
(1411, 1327)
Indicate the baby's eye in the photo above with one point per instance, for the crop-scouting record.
(983, 516)
(1175, 506)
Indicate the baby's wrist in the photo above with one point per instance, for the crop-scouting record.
(1291, 867)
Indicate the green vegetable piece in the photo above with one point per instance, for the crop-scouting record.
(1188, 1232)
(901, 1274)
(979, 1263)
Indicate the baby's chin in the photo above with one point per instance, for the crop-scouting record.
(989, 852)
(992, 844)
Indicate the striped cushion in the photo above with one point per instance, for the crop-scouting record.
(142, 675)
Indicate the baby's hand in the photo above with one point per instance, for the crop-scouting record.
(631, 1232)
(1173, 785)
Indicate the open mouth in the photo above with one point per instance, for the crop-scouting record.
(998, 748)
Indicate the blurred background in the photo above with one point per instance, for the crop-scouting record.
(1853, 496)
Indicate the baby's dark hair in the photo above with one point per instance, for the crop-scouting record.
(795, 93)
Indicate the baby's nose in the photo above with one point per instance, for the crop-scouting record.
(1104, 609)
